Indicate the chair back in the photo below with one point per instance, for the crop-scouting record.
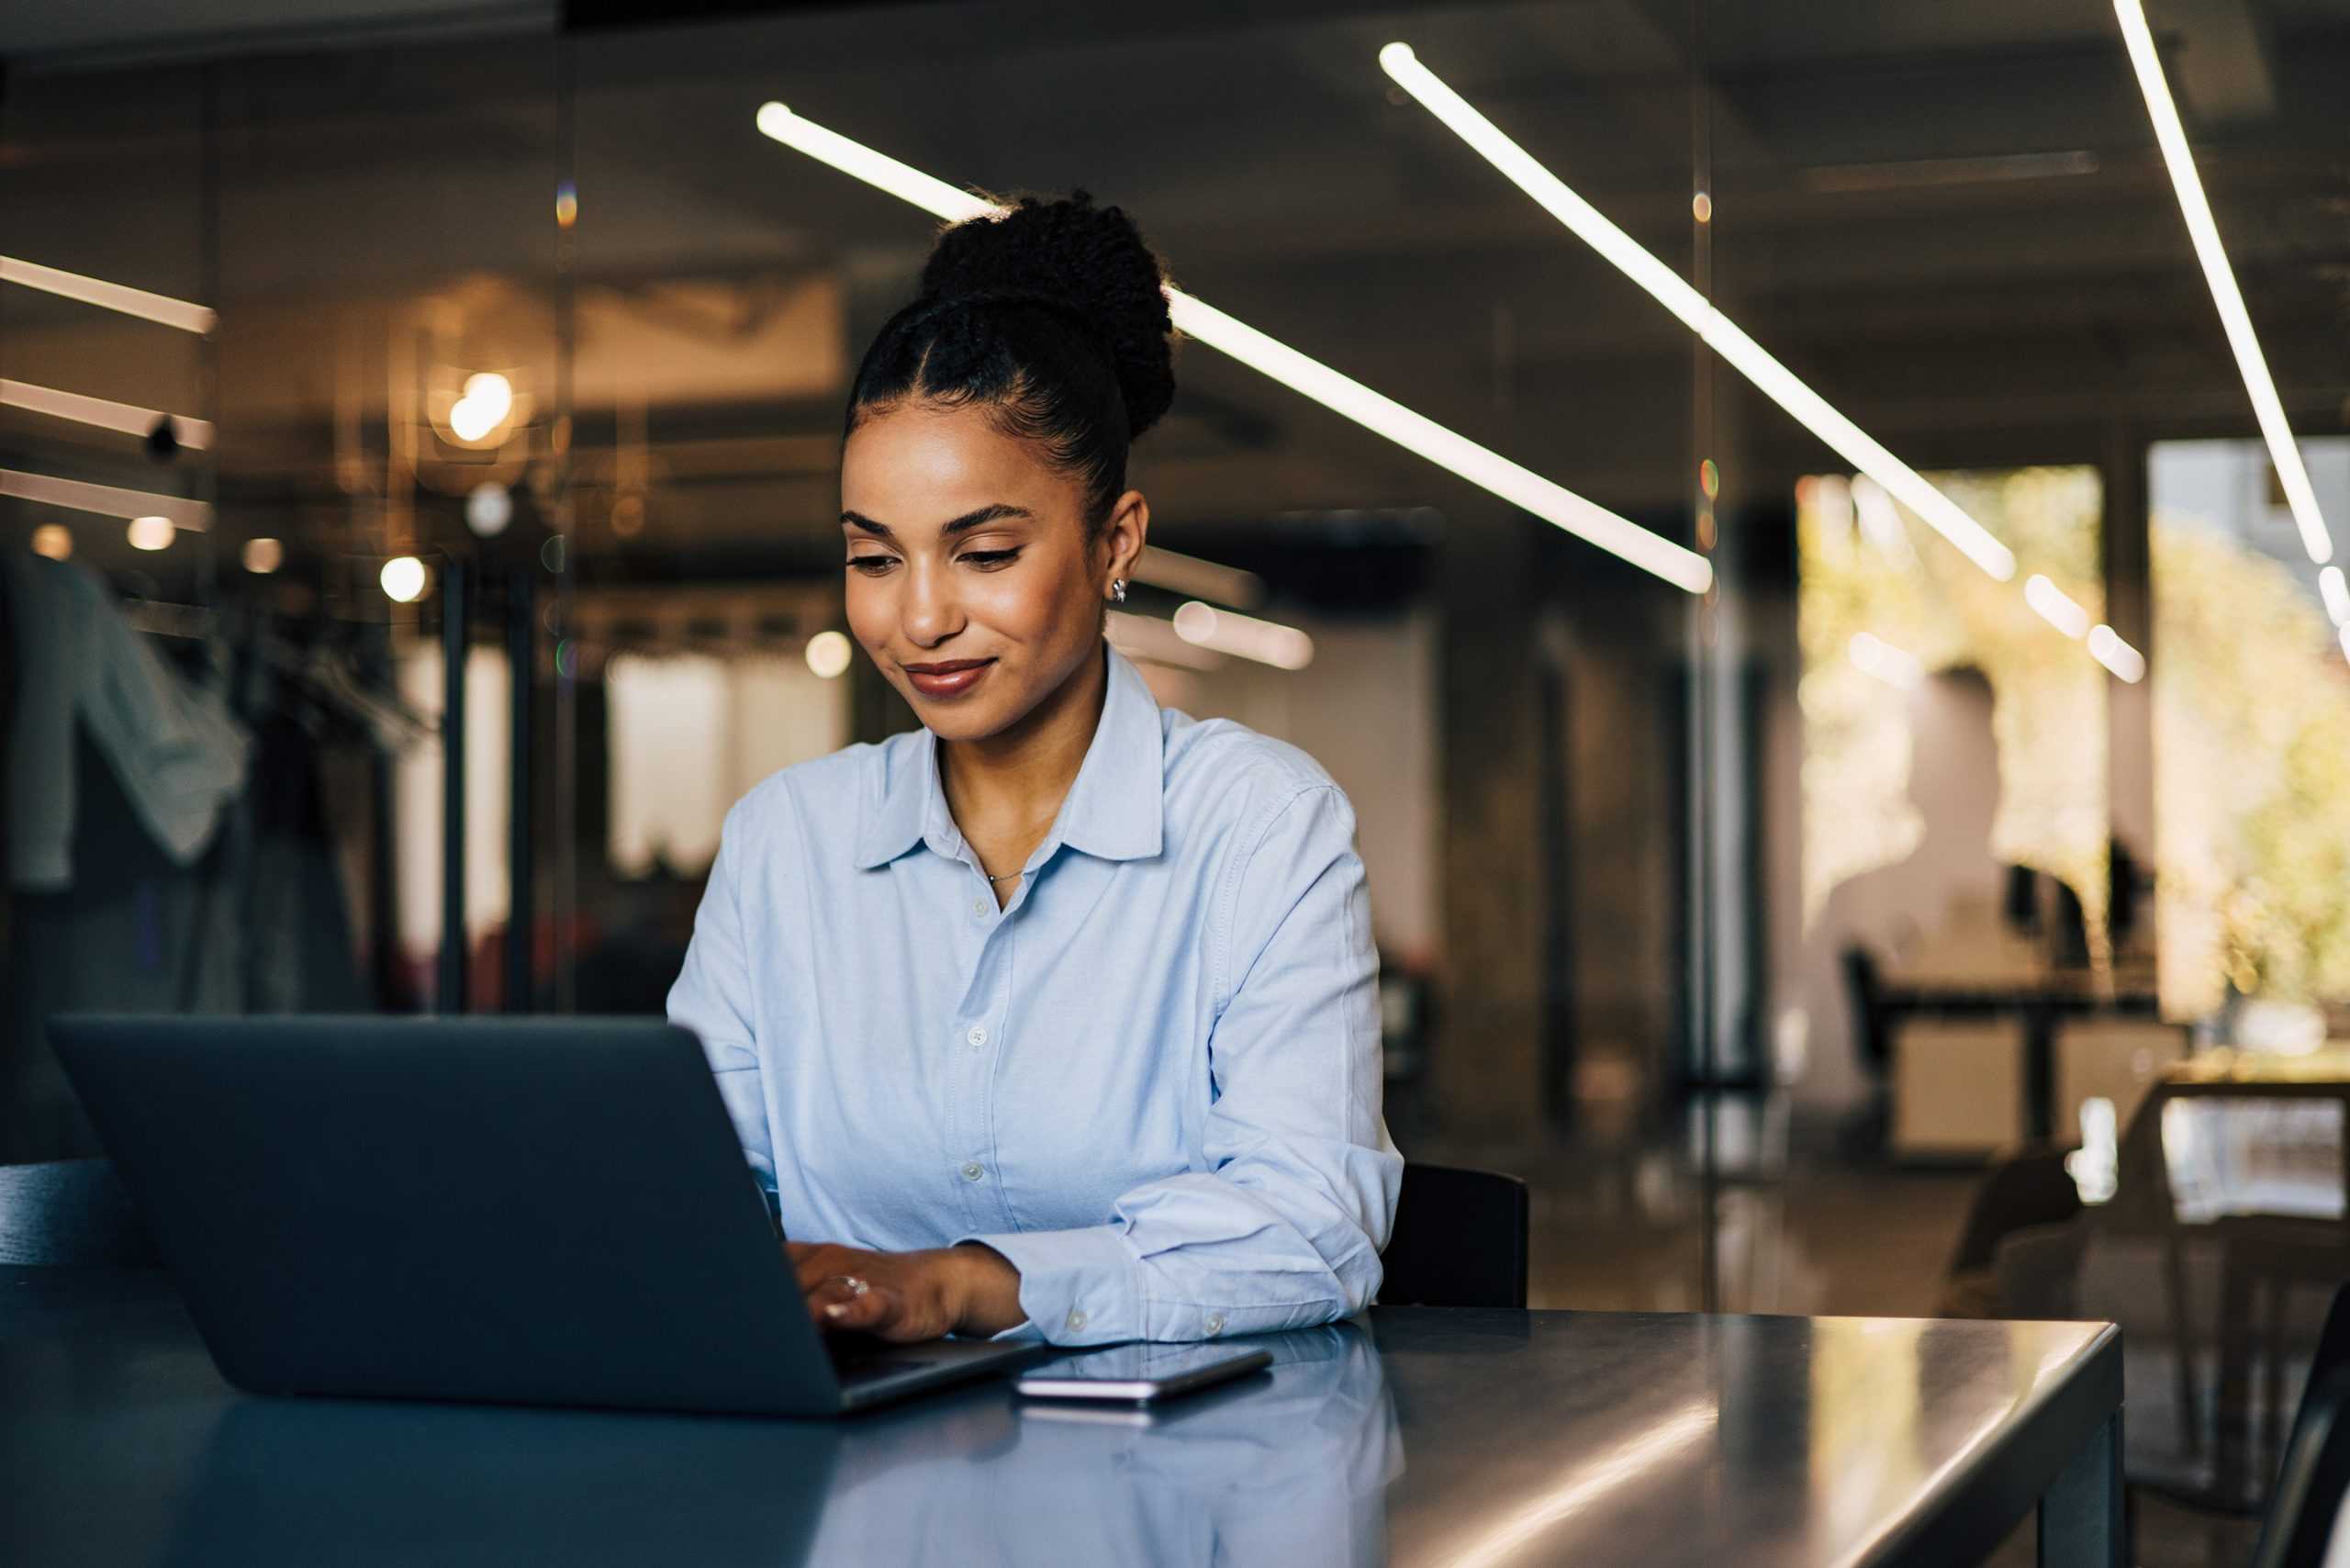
(2303, 1506)
(2021, 1191)
(1459, 1239)
(69, 1213)
(2331, 1356)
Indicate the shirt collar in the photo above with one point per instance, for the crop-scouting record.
(1115, 810)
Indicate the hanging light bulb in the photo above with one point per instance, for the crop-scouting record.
(403, 579)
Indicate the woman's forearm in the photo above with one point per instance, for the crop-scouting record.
(989, 1290)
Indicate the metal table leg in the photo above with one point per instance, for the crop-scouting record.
(2080, 1513)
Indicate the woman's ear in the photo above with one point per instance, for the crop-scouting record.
(1124, 536)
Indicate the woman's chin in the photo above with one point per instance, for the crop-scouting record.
(951, 721)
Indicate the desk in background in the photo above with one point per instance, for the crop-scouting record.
(1427, 1435)
(2034, 999)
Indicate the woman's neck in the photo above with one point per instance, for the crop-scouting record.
(1010, 785)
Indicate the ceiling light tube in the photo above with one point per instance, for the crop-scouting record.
(106, 500)
(1147, 637)
(1244, 636)
(1748, 358)
(2056, 607)
(2107, 648)
(1195, 578)
(1872, 655)
(2336, 594)
(1522, 487)
(129, 417)
(158, 307)
(2180, 160)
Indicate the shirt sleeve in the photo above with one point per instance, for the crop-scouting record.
(1285, 1229)
(712, 998)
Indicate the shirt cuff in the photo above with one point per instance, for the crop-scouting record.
(1078, 1287)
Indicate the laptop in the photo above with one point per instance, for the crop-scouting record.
(533, 1211)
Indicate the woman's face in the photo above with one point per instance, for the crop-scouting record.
(970, 582)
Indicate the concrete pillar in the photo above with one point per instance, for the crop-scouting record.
(1487, 1063)
(2130, 610)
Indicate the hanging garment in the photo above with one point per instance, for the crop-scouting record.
(171, 744)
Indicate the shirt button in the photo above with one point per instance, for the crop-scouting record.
(1077, 1318)
(978, 1035)
(973, 1171)
(979, 908)
(1216, 1322)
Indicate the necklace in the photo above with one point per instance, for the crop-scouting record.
(1005, 878)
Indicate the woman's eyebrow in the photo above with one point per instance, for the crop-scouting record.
(992, 512)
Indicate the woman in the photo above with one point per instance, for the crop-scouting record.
(1055, 1017)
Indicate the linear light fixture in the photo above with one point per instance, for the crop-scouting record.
(1147, 637)
(2107, 649)
(2056, 607)
(2246, 343)
(106, 500)
(1341, 394)
(195, 434)
(1872, 655)
(1773, 380)
(1244, 636)
(2336, 594)
(1189, 574)
(159, 308)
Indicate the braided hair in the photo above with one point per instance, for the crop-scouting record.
(1053, 319)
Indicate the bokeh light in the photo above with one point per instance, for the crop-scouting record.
(403, 579)
(829, 654)
(489, 507)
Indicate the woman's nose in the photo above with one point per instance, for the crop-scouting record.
(928, 612)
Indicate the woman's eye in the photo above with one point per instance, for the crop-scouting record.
(987, 560)
(871, 565)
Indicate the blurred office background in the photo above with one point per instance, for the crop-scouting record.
(1868, 934)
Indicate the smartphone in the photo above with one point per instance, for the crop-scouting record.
(1139, 1375)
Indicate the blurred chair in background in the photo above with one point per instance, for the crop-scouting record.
(2305, 1504)
(1459, 1239)
(2027, 1194)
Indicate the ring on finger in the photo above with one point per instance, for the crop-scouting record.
(854, 1285)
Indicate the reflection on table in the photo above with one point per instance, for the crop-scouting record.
(1419, 1436)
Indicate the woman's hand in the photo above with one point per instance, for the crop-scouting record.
(908, 1296)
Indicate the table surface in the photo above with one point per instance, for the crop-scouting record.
(2224, 1068)
(1415, 1436)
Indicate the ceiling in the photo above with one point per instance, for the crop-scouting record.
(1949, 217)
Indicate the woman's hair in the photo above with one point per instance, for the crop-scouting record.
(1053, 320)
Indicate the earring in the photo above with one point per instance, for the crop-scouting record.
(1117, 590)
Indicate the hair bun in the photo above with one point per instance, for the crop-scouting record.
(1089, 262)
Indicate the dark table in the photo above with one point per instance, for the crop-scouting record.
(1424, 1435)
(2042, 1003)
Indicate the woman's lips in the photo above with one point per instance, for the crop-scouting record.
(950, 678)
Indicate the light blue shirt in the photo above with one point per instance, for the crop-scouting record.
(1151, 1081)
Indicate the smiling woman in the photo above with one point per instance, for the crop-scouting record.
(1057, 1016)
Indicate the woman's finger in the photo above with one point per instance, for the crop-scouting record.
(817, 1263)
(869, 1312)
